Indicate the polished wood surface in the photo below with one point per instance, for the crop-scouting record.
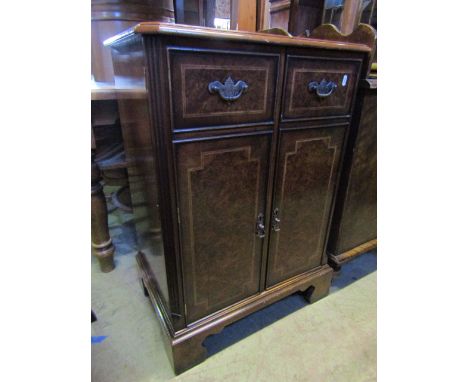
(224, 163)
(354, 228)
(307, 168)
(109, 17)
(350, 16)
(301, 102)
(189, 12)
(101, 242)
(222, 186)
(246, 15)
(193, 71)
(362, 34)
(263, 15)
(186, 350)
(157, 28)
(305, 16)
(279, 14)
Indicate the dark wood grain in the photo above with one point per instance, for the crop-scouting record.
(145, 176)
(305, 16)
(362, 34)
(185, 348)
(300, 102)
(354, 228)
(222, 191)
(212, 34)
(193, 71)
(307, 167)
(209, 176)
(279, 13)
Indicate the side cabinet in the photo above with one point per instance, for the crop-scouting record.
(237, 156)
(354, 226)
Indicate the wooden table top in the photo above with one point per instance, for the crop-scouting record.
(181, 30)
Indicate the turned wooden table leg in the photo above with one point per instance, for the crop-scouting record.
(102, 245)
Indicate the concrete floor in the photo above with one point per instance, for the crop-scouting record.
(331, 340)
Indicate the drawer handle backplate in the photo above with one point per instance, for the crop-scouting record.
(323, 88)
(229, 91)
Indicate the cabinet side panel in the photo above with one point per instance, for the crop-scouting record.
(129, 67)
(358, 223)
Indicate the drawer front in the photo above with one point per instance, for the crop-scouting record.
(211, 88)
(317, 87)
(222, 191)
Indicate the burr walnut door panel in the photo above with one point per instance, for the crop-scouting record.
(222, 191)
(306, 175)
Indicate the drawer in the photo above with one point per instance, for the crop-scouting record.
(317, 87)
(216, 88)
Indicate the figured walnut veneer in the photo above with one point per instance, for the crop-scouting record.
(192, 72)
(300, 102)
(307, 169)
(234, 190)
(222, 191)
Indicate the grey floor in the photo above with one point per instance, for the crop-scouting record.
(331, 340)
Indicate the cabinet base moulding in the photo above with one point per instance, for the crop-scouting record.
(185, 347)
(336, 261)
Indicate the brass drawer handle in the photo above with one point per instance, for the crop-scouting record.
(276, 220)
(260, 226)
(322, 89)
(229, 91)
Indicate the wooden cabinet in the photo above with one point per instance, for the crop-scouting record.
(235, 186)
(354, 227)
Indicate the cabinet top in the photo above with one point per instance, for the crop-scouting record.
(181, 30)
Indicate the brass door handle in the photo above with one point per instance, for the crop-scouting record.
(260, 226)
(276, 220)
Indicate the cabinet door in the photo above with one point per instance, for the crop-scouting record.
(306, 175)
(222, 190)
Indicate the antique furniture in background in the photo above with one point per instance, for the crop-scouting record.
(354, 224)
(347, 14)
(301, 17)
(237, 14)
(369, 13)
(110, 155)
(279, 13)
(101, 241)
(109, 17)
(305, 16)
(234, 142)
